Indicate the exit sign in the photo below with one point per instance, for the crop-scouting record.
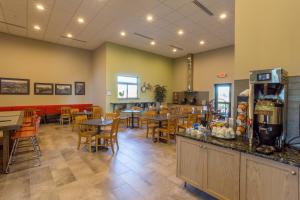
(221, 75)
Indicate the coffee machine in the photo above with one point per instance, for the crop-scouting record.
(267, 109)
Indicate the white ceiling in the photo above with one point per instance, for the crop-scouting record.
(104, 19)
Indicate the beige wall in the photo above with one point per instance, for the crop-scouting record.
(43, 62)
(266, 35)
(206, 66)
(150, 68)
(99, 76)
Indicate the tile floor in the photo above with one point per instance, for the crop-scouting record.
(140, 170)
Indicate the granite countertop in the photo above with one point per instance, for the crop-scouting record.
(287, 156)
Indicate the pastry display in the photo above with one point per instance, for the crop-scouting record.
(223, 132)
(241, 119)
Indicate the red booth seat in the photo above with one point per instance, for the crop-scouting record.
(47, 109)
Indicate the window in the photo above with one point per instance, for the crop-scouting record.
(223, 99)
(127, 87)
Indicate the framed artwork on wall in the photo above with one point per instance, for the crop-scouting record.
(79, 88)
(43, 88)
(63, 89)
(14, 86)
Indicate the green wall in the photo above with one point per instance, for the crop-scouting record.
(150, 68)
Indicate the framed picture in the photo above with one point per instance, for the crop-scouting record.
(63, 89)
(43, 88)
(14, 86)
(79, 88)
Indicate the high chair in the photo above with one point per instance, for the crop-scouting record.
(26, 134)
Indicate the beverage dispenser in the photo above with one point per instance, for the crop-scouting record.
(267, 109)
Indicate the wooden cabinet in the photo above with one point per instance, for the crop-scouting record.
(191, 160)
(230, 175)
(222, 175)
(209, 168)
(263, 179)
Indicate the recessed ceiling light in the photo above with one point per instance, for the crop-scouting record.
(123, 33)
(80, 20)
(202, 42)
(69, 35)
(152, 43)
(174, 50)
(180, 32)
(149, 18)
(223, 16)
(37, 27)
(40, 7)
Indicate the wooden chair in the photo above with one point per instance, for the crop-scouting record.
(73, 111)
(97, 112)
(65, 115)
(192, 118)
(166, 132)
(110, 137)
(110, 116)
(144, 118)
(151, 124)
(124, 119)
(85, 132)
(163, 112)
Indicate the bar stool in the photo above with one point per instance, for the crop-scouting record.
(26, 134)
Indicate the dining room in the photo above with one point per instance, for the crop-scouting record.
(139, 99)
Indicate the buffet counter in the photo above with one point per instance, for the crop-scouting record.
(230, 170)
(288, 156)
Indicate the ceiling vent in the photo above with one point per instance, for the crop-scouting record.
(203, 7)
(143, 36)
(15, 25)
(176, 47)
(77, 40)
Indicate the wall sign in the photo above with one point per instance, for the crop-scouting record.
(221, 75)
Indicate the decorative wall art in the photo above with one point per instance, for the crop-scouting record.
(79, 88)
(14, 86)
(63, 89)
(43, 88)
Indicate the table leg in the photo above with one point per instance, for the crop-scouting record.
(132, 122)
(5, 150)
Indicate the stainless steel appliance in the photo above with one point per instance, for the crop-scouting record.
(267, 107)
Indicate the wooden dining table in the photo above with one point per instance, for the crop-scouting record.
(9, 122)
(97, 123)
(132, 112)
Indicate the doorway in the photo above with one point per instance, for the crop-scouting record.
(223, 99)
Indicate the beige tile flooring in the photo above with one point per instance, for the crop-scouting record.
(141, 169)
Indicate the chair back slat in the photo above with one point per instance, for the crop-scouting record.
(28, 113)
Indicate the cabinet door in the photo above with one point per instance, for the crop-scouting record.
(222, 175)
(263, 179)
(190, 161)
